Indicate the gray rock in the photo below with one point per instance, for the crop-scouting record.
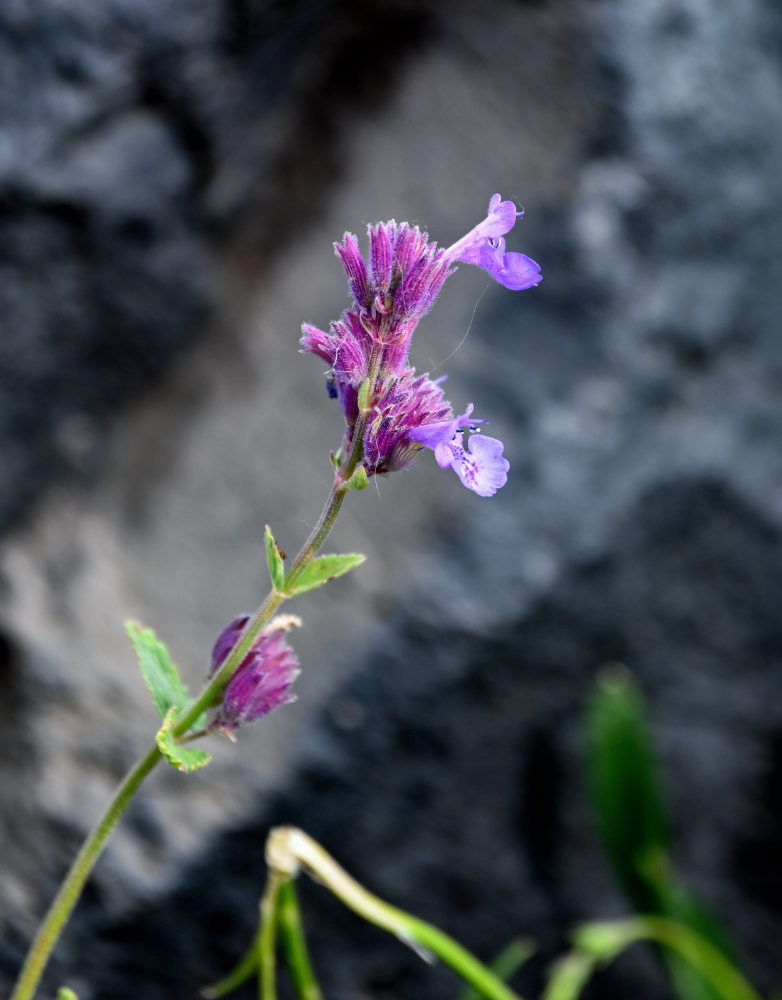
(638, 392)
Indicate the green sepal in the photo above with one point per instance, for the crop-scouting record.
(336, 458)
(323, 569)
(274, 560)
(363, 396)
(161, 676)
(359, 480)
(184, 759)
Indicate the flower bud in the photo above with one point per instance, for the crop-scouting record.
(263, 679)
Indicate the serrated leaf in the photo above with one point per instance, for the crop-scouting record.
(183, 758)
(274, 560)
(323, 569)
(161, 676)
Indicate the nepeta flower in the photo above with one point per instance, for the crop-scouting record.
(262, 680)
(392, 290)
(484, 246)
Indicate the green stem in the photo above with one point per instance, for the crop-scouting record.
(63, 904)
(509, 960)
(338, 490)
(267, 939)
(602, 942)
(70, 890)
(247, 965)
(701, 954)
(288, 849)
(294, 945)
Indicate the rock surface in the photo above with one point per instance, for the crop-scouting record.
(637, 390)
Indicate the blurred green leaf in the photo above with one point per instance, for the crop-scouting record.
(603, 941)
(157, 669)
(633, 824)
(323, 569)
(245, 968)
(625, 786)
(568, 976)
(509, 961)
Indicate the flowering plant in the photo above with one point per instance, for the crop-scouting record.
(391, 413)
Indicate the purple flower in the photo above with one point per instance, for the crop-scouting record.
(262, 680)
(481, 467)
(484, 246)
(392, 290)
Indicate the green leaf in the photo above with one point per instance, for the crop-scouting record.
(160, 674)
(568, 977)
(625, 787)
(183, 758)
(681, 906)
(323, 569)
(633, 823)
(66, 993)
(246, 966)
(274, 560)
(358, 481)
(509, 961)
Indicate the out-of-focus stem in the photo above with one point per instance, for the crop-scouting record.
(294, 944)
(267, 939)
(289, 849)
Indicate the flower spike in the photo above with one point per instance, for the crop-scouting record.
(392, 290)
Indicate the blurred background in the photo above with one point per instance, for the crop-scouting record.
(172, 177)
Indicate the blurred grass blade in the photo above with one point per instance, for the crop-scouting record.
(634, 827)
(245, 968)
(625, 787)
(569, 975)
(509, 961)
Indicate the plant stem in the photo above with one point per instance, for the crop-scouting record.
(68, 895)
(724, 978)
(247, 965)
(70, 890)
(267, 939)
(294, 944)
(288, 849)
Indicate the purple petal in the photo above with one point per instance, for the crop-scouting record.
(355, 269)
(381, 254)
(517, 272)
(225, 642)
(482, 467)
(442, 431)
(500, 219)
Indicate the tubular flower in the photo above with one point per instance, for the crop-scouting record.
(392, 290)
(263, 679)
